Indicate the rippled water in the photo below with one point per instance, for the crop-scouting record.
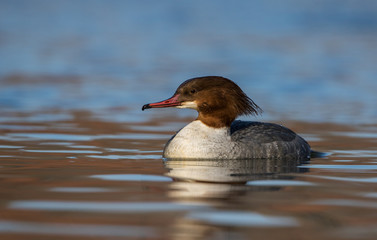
(80, 160)
(110, 181)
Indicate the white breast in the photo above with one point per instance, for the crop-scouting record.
(197, 140)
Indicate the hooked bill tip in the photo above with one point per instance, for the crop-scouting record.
(146, 106)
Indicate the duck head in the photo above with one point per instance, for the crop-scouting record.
(218, 100)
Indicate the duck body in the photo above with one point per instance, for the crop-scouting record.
(243, 140)
(215, 134)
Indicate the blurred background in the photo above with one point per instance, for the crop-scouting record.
(313, 61)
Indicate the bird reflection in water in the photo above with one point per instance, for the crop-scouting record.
(221, 185)
(211, 178)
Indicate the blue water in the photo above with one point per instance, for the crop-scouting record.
(304, 60)
(80, 158)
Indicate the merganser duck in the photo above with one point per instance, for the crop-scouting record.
(216, 135)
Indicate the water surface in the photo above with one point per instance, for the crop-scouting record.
(67, 183)
(80, 160)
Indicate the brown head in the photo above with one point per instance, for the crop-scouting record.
(218, 100)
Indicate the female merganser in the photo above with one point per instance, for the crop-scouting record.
(216, 135)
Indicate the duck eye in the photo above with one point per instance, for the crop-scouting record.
(193, 91)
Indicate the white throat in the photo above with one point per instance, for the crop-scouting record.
(192, 105)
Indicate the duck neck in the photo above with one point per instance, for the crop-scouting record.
(216, 120)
